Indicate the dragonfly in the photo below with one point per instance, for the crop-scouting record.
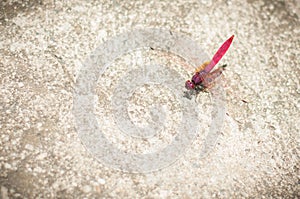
(203, 78)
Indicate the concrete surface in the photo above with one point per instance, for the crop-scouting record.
(43, 45)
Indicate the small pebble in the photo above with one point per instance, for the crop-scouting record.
(87, 189)
(7, 166)
(29, 147)
(101, 181)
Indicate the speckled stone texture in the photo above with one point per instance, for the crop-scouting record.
(43, 45)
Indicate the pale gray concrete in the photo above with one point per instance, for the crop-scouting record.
(43, 45)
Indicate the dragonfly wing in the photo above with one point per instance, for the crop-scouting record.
(200, 68)
(210, 77)
(219, 54)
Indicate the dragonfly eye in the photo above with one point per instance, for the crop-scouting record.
(189, 85)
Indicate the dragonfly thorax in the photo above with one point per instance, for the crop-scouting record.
(198, 77)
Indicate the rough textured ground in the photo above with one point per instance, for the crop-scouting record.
(43, 45)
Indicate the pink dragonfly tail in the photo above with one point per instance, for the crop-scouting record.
(219, 54)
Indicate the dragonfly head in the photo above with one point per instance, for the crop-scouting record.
(189, 85)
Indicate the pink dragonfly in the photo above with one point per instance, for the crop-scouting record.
(203, 78)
